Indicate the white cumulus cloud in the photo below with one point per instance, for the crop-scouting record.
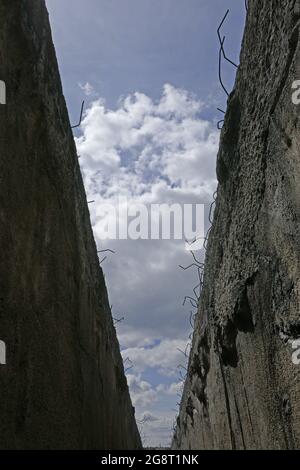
(152, 152)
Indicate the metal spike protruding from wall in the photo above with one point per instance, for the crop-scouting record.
(199, 263)
(222, 53)
(193, 302)
(129, 362)
(210, 217)
(105, 257)
(222, 41)
(107, 251)
(118, 320)
(189, 266)
(221, 120)
(220, 67)
(80, 118)
(185, 352)
(192, 319)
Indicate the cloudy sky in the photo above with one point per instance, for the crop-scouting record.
(148, 71)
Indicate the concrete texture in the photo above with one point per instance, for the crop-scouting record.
(242, 390)
(63, 386)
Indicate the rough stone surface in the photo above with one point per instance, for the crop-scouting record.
(242, 389)
(64, 385)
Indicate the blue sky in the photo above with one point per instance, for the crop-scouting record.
(150, 65)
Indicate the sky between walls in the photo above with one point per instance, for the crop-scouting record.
(148, 71)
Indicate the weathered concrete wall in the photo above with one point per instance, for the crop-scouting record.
(63, 386)
(242, 390)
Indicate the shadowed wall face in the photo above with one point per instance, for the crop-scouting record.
(63, 384)
(242, 387)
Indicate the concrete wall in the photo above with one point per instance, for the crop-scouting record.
(242, 390)
(63, 385)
